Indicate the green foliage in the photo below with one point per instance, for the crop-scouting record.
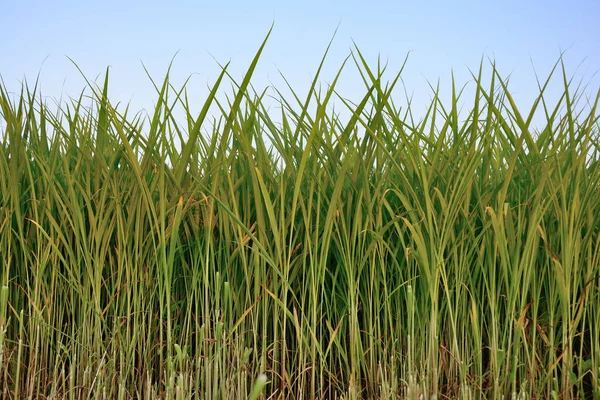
(381, 257)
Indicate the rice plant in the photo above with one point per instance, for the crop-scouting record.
(292, 254)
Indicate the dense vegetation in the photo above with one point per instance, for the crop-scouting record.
(296, 255)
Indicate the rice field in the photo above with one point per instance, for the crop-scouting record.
(292, 254)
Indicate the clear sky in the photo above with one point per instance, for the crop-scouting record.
(441, 36)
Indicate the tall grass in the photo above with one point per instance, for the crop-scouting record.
(378, 257)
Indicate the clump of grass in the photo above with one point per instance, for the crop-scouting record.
(376, 257)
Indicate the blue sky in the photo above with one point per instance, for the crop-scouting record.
(442, 36)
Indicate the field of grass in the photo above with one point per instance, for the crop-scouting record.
(290, 254)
